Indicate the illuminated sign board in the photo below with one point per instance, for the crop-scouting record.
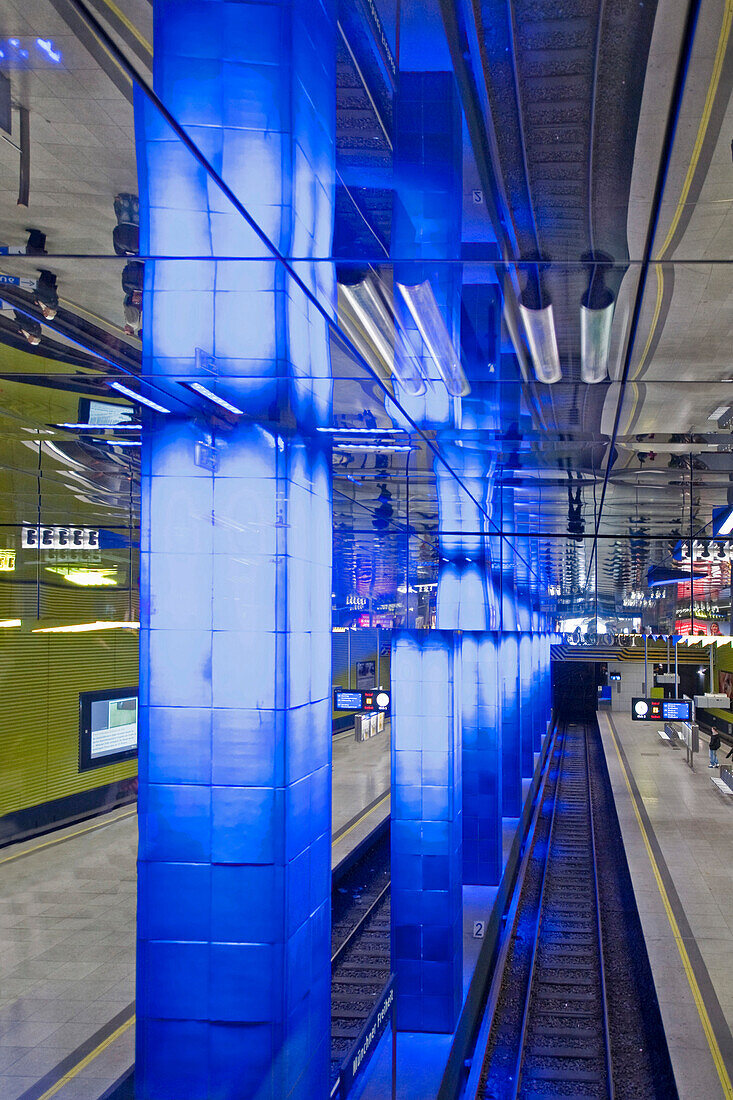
(360, 700)
(661, 710)
(7, 561)
(104, 414)
(58, 538)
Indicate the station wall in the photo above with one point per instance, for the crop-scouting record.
(42, 677)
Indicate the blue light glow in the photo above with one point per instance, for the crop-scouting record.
(46, 46)
(427, 935)
(481, 736)
(199, 388)
(511, 771)
(138, 397)
(235, 693)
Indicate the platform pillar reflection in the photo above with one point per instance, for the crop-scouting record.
(481, 729)
(511, 764)
(233, 965)
(427, 903)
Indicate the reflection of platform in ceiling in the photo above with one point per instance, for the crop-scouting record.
(688, 651)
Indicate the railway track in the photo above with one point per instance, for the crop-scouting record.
(360, 950)
(553, 1018)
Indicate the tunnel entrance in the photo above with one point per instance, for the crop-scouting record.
(575, 689)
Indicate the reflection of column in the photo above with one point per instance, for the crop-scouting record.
(538, 693)
(233, 991)
(481, 726)
(526, 706)
(511, 771)
(427, 937)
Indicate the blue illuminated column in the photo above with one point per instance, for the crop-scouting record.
(481, 730)
(526, 705)
(538, 692)
(511, 769)
(427, 938)
(233, 994)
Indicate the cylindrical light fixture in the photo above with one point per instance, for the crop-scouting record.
(535, 309)
(426, 314)
(596, 315)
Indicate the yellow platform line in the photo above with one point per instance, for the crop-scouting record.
(697, 996)
(80, 1065)
(69, 836)
(130, 26)
(75, 1070)
(362, 818)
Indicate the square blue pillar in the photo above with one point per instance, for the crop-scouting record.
(427, 904)
(481, 735)
(538, 694)
(233, 965)
(511, 764)
(527, 687)
(233, 990)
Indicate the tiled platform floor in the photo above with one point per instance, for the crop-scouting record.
(67, 936)
(689, 825)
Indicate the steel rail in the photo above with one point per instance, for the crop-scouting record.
(538, 923)
(602, 967)
(340, 951)
(487, 1017)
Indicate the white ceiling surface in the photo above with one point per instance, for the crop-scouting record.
(697, 335)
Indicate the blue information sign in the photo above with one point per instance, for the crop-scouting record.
(661, 710)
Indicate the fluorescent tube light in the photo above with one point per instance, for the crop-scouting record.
(379, 324)
(138, 397)
(79, 628)
(595, 342)
(103, 428)
(539, 328)
(372, 447)
(364, 431)
(421, 303)
(211, 396)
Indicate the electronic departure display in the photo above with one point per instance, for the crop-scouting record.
(661, 710)
(107, 727)
(347, 700)
(376, 699)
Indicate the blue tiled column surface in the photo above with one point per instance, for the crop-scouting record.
(527, 704)
(511, 770)
(481, 730)
(233, 996)
(427, 939)
(538, 693)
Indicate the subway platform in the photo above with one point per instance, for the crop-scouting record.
(67, 936)
(677, 829)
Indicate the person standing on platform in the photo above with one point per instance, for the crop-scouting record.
(714, 746)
